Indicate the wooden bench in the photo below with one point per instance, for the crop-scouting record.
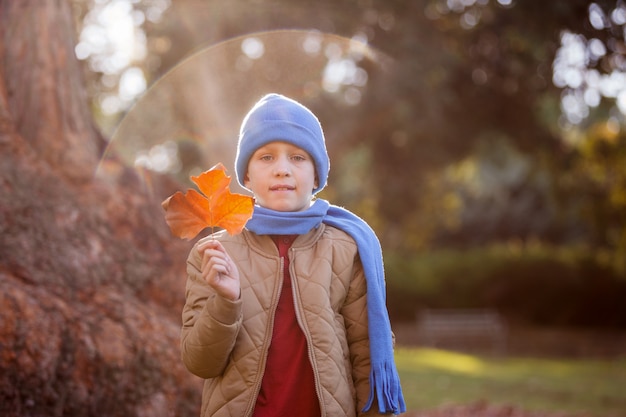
(462, 329)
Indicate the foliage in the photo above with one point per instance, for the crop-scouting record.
(534, 284)
(435, 378)
(600, 169)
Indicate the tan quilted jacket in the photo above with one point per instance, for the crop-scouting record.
(226, 342)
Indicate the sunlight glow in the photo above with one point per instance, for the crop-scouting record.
(343, 73)
(132, 83)
(253, 48)
(105, 37)
(449, 361)
(596, 17)
(113, 43)
(583, 86)
(161, 158)
(312, 44)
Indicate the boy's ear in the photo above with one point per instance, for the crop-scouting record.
(246, 180)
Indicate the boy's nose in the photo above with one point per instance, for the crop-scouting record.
(281, 168)
(282, 172)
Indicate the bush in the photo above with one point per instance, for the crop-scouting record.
(532, 284)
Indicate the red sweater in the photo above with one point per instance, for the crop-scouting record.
(288, 386)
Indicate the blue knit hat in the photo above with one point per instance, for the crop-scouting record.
(278, 118)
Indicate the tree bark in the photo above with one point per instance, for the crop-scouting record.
(91, 280)
(44, 88)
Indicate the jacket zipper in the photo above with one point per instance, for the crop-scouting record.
(268, 340)
(307, 335)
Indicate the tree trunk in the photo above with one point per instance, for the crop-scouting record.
(91, 281)
(44, 86)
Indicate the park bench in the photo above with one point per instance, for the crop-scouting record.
(462, 329)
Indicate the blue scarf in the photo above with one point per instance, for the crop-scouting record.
(384, 379)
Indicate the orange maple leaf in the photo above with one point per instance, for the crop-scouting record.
(188, 214)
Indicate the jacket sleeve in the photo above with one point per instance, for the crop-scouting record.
(355, 316)
(210, 324)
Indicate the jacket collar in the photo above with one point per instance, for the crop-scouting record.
(264, 244)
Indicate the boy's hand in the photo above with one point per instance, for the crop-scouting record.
(218, 270)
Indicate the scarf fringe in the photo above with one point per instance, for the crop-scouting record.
(385, 387)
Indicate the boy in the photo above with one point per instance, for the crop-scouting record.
(288, 318)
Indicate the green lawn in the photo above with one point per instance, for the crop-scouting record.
(432, 378)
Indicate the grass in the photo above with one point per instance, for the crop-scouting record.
(432, 378)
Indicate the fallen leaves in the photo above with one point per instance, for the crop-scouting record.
(188, 214)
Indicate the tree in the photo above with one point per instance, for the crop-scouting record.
(90, 280)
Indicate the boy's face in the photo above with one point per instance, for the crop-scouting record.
(282, 177)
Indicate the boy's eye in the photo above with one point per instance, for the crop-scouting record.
(265, 157)
(298, 158)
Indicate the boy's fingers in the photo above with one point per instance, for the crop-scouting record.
(209, 244)
(209, 254)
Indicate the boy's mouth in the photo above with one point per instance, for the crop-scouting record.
(282, 187)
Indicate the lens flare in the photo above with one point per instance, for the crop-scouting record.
(189, 119)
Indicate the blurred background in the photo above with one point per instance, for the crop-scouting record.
(483, 140)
